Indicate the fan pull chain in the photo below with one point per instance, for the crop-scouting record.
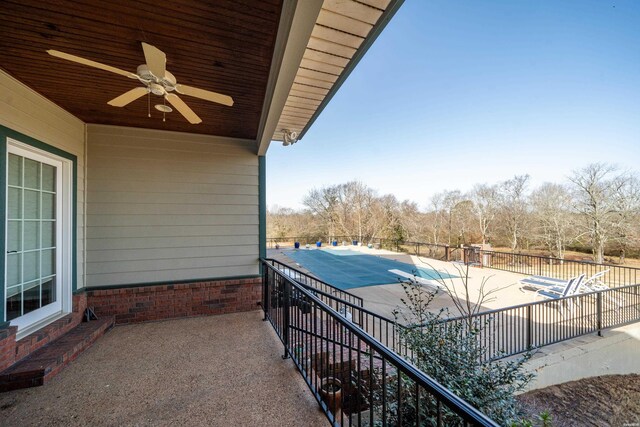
(164, 113)
(149, 104)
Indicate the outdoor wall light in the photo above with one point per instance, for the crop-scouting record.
(289, 137)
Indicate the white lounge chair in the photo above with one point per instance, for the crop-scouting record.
(550, 288)
(594, 283)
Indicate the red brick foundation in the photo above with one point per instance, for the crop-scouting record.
(12, 351)
(147, 303)
(7, 347)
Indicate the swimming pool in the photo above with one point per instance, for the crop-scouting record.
(347, 269)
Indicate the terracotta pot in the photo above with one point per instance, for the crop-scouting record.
(331, 393)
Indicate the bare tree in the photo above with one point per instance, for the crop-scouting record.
(345, 209)
(358, 200)
(450, 201)
(437, 216)
(412, 220)
(602, 199)
(464, 221)
(485, 205)
(554, 222)
(626, 232)
(513, 208)
(389, 209)
(278, 224)
(602, 211)
(323, 203)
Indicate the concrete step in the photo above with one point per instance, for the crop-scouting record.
(43, 364)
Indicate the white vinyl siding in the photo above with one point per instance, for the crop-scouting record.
(169, 206)
(27, 112)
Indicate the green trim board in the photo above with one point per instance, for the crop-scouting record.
(6, 133)
(262, 207)
(164, 283)
(386, 16)
(3, 214)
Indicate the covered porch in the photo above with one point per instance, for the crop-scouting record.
(222, 370)
(123, 200)
(132, 152)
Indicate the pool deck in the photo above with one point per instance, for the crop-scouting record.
(502, 287)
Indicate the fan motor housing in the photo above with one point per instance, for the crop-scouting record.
(144, 73)
(157, 89)
(168, 81)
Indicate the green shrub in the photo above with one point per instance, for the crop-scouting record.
(455, 354)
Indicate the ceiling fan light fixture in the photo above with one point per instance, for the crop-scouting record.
(163, 108)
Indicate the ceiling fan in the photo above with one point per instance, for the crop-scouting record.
(157, 80)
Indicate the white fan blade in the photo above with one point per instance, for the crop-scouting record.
(183, 108)
(128, 97)
(90, 63)
(156, 60)
(204, 94)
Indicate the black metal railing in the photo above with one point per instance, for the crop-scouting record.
(503, 332)
(315, 283)
(534, 265)
(513, 330)
(355, 378)
(380, 327)
(617, 275)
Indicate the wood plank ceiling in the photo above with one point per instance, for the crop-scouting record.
(340, 30)
(224, 46)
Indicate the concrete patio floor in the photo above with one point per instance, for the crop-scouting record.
(209, 371)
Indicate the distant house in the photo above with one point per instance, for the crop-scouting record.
(130, 210)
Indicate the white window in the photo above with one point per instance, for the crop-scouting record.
(38, 237)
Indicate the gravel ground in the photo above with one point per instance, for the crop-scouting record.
(610, 400)
(209, 371)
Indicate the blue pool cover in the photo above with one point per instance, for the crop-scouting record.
(346, 269)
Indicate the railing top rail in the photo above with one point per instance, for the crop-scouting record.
(455, 403)
(546, 257)
(440, 245)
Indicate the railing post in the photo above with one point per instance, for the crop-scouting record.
(539, 266)
(265, 290)
(286, 304)
(599, 308)
(529, 326)
(447, 254)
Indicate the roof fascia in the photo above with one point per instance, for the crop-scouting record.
(294, 30)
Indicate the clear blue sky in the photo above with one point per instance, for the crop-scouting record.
(458, 92)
